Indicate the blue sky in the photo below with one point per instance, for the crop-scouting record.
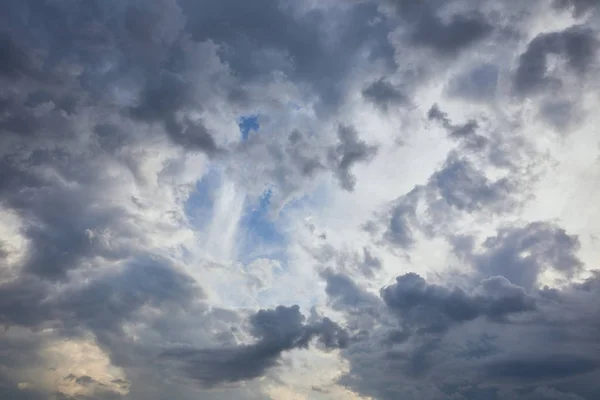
(248, 124)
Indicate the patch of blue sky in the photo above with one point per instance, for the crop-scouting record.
(200, 204)
(247, 124)
(261, 236)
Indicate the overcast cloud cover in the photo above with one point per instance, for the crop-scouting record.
(285, 199)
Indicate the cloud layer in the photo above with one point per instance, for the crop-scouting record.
(371, 199)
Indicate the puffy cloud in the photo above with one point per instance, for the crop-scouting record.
(432, 307)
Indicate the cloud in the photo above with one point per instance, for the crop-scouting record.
(437, 240)
(466, 132)
(577, 45)
(433, 308)
(458, 187)
(383, 94)
(578, 6)
(428, 29)
(259, 39)
(350, 151)
(478, 83)
(279, 330)
(530, 351)
(523, 253)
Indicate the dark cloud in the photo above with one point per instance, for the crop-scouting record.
(384, 94)
(257, 38)
(576, 44)
(496, 340)
(522, 253)
(106, 303)
(15, 62)
(351, 150)
(60, 241)
(447, 37)
(529, 369)
(160, 103)
(277, 330)
(346, 295)
(433, 308)
(402, 219)
(450, 37)
(562, 114)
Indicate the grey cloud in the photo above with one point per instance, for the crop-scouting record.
(60, 240)
(561, 114)
(107, 302)
(531, 369)
(450, 37)
(257, 38)
(459, 186)
(499, 339)
(15, 62)
(434, 308)
(161, 102)
(495, 341)
(464, 187)
(294, 161)
(370, 263)
(363, 262)
(402, 219)
(466, 133)
(429, 30)
(346, 295)
(477, 84)
(384, 94)
(277, 330)
(351, 150)
(576, 44)
(522, 253)
(578, 6)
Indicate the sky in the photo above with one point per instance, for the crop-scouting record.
(292, 200)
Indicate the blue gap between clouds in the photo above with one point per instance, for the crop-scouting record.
(247, 124)
(258, 234)
(200, 204)
(261, 235)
